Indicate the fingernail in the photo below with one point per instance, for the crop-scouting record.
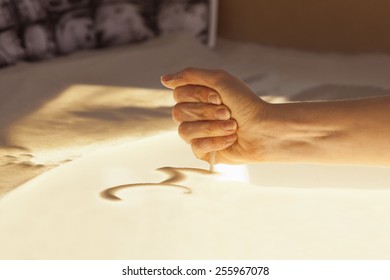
(222, 114)
(166, 78)
(231, 138)
(230, 125)
(214, 99)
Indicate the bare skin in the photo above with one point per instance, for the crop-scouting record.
(218, 112)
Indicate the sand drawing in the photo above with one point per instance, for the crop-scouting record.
(175, 176)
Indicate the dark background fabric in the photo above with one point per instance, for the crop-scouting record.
(124, 21)
(40, 29)
(10, 45)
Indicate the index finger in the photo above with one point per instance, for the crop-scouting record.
(192, 93)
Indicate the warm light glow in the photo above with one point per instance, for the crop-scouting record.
(232, 173)
(82, 118)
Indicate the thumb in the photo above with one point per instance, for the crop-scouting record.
(222, 82)
(193, 76)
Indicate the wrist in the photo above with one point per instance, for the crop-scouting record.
(294, 132)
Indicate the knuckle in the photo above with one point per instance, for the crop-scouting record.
(176, 94)
(199, 90)
(179, 75)
(214, 143)
(197, 155)
(220, 76)
(196, 150)
(196, 92)
(187, 72)
(183, 131)
(184, 93)
(207, 93)
(177, 113)
(206, 114)
(210, 128)
(189, 69)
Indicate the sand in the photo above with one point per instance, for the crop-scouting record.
(99, 119)
(55, 111)
(171, 207)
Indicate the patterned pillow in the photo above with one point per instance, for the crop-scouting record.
(10, 46)
(124, 21)
(36, 32)
(72, 22)
(51, 27)
(190, 16)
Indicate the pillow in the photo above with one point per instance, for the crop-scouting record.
(61, 6)
(52, 27)
(74, 31)
(72, 22)
(36, 33)
(11, 49)
(190, 16)
(124, 21)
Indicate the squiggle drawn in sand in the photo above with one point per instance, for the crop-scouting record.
(176, 175)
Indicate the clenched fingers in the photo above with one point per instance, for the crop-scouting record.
(194, 93)
(206, 129)
(202, 146)
(191, 112)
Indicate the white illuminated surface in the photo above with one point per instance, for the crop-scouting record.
(269, 211)
(238, 173)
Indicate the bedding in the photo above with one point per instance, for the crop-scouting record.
(40, 29)
(35, 31)
(10, 45)
(59, 116)
(192, 16)
(121, 22)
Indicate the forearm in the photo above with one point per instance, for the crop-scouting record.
(351, 131)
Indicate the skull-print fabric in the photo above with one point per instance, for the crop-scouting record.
(124, 21)
(41, 29)
(52, 27)
(11, 49)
